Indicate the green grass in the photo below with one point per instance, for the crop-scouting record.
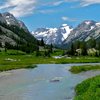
(15, 52)
(57, 52)
(20, 60)
(83, 68)
(12, 67)
(88, 89)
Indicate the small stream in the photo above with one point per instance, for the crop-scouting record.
(38, 84)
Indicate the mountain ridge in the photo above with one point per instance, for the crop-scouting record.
(83, 32)
(53, 35)
(9, 19)
(14, 34)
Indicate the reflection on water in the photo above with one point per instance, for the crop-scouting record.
(41, 83)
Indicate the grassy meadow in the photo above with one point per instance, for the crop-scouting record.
(83, 68)
(90, 88)
(13, 59)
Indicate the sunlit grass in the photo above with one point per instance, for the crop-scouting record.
(83, 68)
(88, 89)
(17, 59)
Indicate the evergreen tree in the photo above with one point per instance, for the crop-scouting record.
(91, 43)
(72, 50)
(84, 49)
(0, 44)
(5, 46)
(77, 44)
(47, 53)
(51, 48)
(42, 42)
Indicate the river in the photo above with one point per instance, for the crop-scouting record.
(39, 84)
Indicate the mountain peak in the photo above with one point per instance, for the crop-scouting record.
(84, 31)
(9, 19)
(53, 35)
(86, 25)
(89, 22)
(7, 14)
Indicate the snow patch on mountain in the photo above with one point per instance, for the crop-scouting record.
(83, 32)
(53, 35)
(9, 19)
(87, 22)
(67, 29)
(98, 24)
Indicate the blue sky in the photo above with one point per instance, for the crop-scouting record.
(52, 13)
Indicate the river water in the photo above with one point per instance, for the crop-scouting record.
(39, 84)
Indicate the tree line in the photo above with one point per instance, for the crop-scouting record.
(90, 47)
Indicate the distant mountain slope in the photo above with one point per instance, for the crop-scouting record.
(14, 32)
(84, 32)
(53, 35)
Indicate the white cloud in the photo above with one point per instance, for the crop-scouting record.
(46, 11)
(58, 3)
(89, 2)
(64, 18)
(19, 8)
(25, 7)
(83, 3)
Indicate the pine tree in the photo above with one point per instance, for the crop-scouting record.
(42, 42)
(84, 49)
(5, 46)
(0, 44)
(72, 50)
(92, 43)
(51, 48)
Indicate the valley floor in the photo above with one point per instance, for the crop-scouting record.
(13, 61)
(83, 90)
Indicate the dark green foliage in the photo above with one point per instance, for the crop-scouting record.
(47, 53)
(42, 42)
(91, 43)
(0, 44)
(51, 48)
(72, 50)
(77, 44)
(84, 49)
(26, 43)
(98, 45)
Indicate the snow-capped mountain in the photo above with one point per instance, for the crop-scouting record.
(53, 35)
(84, 32)
(9, 19)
